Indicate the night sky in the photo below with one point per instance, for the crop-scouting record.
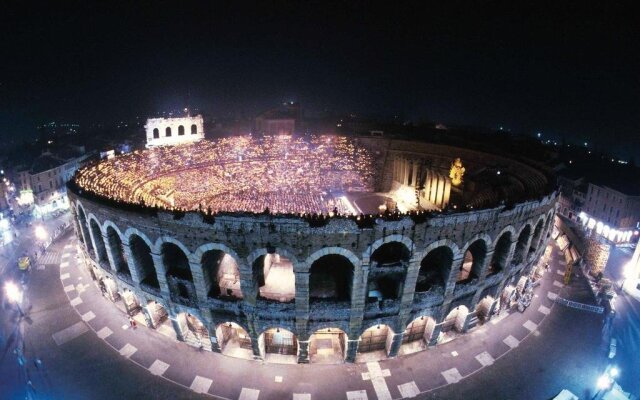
(570, 70)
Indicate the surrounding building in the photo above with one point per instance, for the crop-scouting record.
(43, 183)
(280, 121)
(174, 130)
(612, 207)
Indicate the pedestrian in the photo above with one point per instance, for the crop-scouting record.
(132, 322)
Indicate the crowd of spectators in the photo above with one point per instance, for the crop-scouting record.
(284, 174)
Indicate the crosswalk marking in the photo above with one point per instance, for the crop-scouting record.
(158, 367)
(452, 375)
(409, 390)
(64, 276)
(544, 310)
(531, 326)
(76, 301)
(302, 396)
(485, 359)
(127, 350)
(511, 341)
(104, 332)
(200, 384)
(249, 394)
(88, 316)
(353, 395)
(552, 296)
(69, 333)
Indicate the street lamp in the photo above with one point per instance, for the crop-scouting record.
(14, 294)
(41, 233)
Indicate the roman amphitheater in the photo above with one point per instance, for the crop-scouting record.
(312, 249)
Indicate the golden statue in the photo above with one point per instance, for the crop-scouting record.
(457, 172)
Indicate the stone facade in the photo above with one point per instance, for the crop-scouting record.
(495, 236)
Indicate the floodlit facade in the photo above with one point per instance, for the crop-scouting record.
(291, 288)
(173, 131)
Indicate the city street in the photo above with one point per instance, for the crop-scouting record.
(86, 352)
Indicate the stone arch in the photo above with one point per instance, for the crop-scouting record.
(181, 130)
(84, 228)
(333, 250)
(167, 131)
(118, 255)
(417, 334)
(328, 345)
(501, 250)
(168, 239)
(537, 235)
(524, 236)
(234, 339)
(408, 243)
(456, 319)
(474, 255)
(194, 129)
(220, 270)
(331, 277)
(95, 229)
(156, 133)
(378, 337)
(141, 257)
(273, 274)
(194, 331)
(436, 264)
(278, 341)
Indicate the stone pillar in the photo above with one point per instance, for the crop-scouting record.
(358, 297)
(453, 276)
(215, 346)
(248, 285)
(147, 316)
(395, 344)
(162, 275)
(133, 266)
(176, 327)
(303, 352)
(409, 289)
(302, 302)
(255, 345)
(433, 340)
(198, 282)
(352, 350)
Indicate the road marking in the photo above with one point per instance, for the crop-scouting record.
(557, 284)
(69, 288)
(408, 390)
(454, 353)
(70, 333)
(355, 395)
(552, 296)
(158, 367)
(65, 255)
(125, 327)
(68, 246)
(503, 315)
(64, 264)
(104, 332)
(200, 384)
(249, 394)
(485, 359)
(544, 310)
(88, 316)
(278, 379)
(511, 341)
(376, 374)
(127, 350)
(302, 396)
(76, 301)
(531, 326)
(452, 375)
(64, 276)
(560, 272)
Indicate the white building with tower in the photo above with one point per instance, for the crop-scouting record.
(173, 131)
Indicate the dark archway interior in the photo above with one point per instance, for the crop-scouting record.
(117, 251)
(180, 130)
(99, 241)
(434, 269)
(331, 277)
(500, 254)
(521, 246)
(385, 286)
(141, 254)
(167, 131)
(175, 262)
(194, 129)
(156, 133)
(390, 254)
(85, 232)
(221, 274)
(473, 261)
(537, 232)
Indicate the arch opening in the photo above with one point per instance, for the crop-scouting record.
(167, 131)
(156, 133)
(454, 324)
(109, 288)
(221, 275)
(391, 254)
(180, 130)
(521, 246)
(159, 319)
(194, 332)
(234, 341)
(434, 269)
(194, 129)
(141, 254)
(500, 254)
(328, 346)
(117, 252)
(279, 346)
(535, 240)
(84, 234)
(330, 278)
(98, 241)
(374, 343)
(275, 277)
(473, 261)
(417, 335)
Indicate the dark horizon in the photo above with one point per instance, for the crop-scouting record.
(563, 70)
